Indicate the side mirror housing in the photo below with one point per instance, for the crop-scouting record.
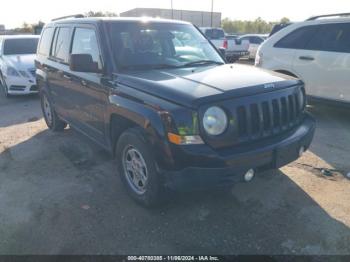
(83, 63)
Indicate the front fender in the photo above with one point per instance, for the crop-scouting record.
(154, 115)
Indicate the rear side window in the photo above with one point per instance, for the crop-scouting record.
(297, 39)
(214, 33)
(62, 44)
(331, 38)
(85, 42)
(45, 42)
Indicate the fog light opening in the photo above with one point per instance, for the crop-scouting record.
(249, 175)
(301, 151)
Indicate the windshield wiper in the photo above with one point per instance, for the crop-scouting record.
(203, 62)
(150, 66)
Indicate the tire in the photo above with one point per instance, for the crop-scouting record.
(52, 120)
(137, 168)
(4, 86)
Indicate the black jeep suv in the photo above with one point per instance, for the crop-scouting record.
(159, 96)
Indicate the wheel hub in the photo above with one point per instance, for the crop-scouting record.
(135, 169)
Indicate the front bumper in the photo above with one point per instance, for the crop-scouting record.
(228, 166)
(21, 85)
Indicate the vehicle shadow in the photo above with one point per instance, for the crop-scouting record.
(18, 109)
(60, 194)
(332, 138)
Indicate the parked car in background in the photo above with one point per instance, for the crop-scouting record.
(317, 51)
(255, 40)
(278, 27)
(234, 48)
(173, 118)
(17, 69)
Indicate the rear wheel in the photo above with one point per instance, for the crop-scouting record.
(50, 116)
(137, 168)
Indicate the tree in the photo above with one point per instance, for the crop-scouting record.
(258, 26)
(100, 14)
(285, 20)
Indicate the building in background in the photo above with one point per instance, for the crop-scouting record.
(2, 29)
(199, 18)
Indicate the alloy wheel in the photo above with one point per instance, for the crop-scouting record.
(135, 169)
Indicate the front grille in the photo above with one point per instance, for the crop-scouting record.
(17, 88)
(268, 117)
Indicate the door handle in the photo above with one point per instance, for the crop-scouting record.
(83, 82)
(67, 77)
(307, 58)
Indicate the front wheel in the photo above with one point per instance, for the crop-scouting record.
(4, 86)
(50, 116)
(137, 168)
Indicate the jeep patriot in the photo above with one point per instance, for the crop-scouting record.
(160, 97)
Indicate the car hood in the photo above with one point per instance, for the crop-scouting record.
(194, 86)
(20, 62)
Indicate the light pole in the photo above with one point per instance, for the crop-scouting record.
(211, 15)
(172, 9)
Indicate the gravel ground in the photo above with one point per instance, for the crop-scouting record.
(60, 194)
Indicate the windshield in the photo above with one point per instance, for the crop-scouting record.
(151, 45)
(20, 46)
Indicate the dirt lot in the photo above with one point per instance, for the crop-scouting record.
(59, 194)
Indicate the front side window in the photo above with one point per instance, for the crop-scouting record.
(62, 44)
(20, 46)
(331, 38)
(45, 42)
(149, 45)
(85, 42)
(298, 38)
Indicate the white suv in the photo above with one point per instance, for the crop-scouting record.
(317, 51)
(17, 69)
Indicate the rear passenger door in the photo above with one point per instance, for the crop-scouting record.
(57, 68)
(324, 64)
(89, 93)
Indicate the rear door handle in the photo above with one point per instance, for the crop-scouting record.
(83, 82)
(307, 58)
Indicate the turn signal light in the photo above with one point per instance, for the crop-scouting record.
(184, 140)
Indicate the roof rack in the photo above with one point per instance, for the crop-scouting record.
(331, 15)
(69, 16)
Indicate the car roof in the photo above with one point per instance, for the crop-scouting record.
(18, 36)
(115, 19)
(326, 20)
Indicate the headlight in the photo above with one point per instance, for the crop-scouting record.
(258, 58)
(215, 121)
(12, 71)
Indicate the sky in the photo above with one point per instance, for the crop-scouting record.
(14, 13)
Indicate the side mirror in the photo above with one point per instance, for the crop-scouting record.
(83, 63)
